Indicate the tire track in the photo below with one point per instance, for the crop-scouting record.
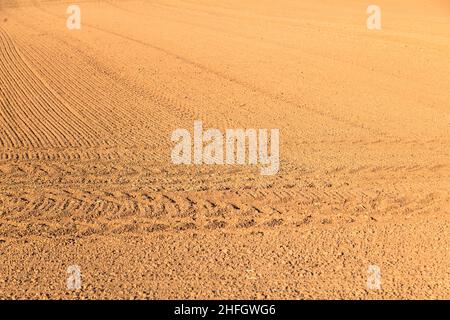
(143, 209)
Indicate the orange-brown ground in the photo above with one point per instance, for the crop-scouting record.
(85, 171)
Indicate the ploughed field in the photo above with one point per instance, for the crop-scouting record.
(86, 176)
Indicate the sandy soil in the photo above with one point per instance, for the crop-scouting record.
(85, 171)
